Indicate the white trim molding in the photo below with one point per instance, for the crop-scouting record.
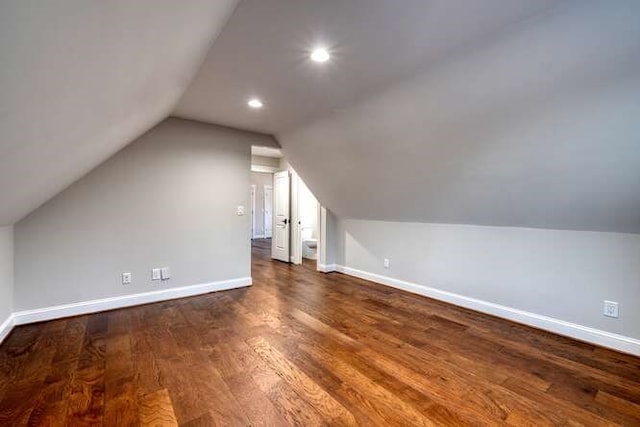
(6, 327)
(264, 169)
(94, 306)
(560, 327)
(326, 268)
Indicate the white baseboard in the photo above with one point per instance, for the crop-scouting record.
(94, 306)
(258, 236)
(6, 327)
(560, 327)
(326, 268)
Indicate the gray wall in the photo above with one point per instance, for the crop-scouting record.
(6, 272)
(561, 274)
(168, 199)
(81, 80)
(260, 180)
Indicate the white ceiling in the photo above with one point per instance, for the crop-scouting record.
(264, 52)
(81, 79)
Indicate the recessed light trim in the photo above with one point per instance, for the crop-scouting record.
(255, 103)
(320, 55)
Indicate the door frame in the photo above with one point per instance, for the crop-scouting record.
(295, 247)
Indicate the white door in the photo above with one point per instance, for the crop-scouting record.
(268, 211)
(253, 211)
(281, 226)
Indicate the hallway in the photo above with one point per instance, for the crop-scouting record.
(306, 348)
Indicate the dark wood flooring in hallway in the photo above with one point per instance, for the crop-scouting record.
(305, 348)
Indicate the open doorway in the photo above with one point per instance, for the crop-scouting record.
(296, 229)
(286, 216)
(265, 161)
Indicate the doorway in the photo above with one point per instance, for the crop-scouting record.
(286, 216)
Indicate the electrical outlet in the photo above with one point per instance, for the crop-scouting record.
(155, 274)
(611, 309)
(240, 210)
(386, 263)
(165, 273)
(126, 278)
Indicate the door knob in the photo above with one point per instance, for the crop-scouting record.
(285, 221)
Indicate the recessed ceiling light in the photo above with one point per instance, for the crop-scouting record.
(255, 103)
(320, 55)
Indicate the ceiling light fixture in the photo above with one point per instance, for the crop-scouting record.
(320, 55)
(255, 103)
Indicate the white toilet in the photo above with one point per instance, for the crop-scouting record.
(309, 244)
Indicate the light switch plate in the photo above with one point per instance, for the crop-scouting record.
(240, 210)
(126, 278)
(165, 273)
(155, 274)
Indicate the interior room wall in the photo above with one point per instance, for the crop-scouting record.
(260, 179)
(6, 274)
(168, 199)
(561, 274)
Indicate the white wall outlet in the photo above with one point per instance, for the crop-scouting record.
(611, 309)
(240, 210)
(126, 278)
(165, 273)
(386, 263)
(155, 274)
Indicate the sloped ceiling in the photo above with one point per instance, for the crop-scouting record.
(80, 79)
(497, 112)
(539, 128)
(508, 113)
(264, 52)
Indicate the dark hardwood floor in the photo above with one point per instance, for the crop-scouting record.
(305, 348)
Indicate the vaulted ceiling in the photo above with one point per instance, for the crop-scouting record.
(264, 52)
(81, 79)
(497, 112)
(538, 128)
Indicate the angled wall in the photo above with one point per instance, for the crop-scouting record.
(537, 129)
(168, 199)
(81, 79)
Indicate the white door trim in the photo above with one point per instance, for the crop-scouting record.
(296, 231)
(322, 239)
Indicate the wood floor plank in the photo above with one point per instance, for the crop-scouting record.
(156, 410)
(305, 348)
(306, 387)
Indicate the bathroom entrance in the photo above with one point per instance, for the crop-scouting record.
(296, 228)
(286, 216)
